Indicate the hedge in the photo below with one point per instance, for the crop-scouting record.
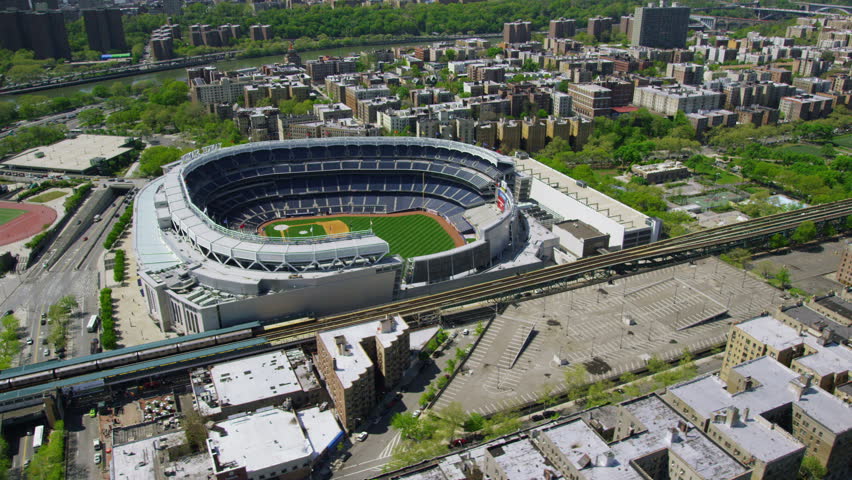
(108, 338)
(119, 226)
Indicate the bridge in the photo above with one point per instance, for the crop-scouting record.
(824, 8)
(31, 381)
(710, 22)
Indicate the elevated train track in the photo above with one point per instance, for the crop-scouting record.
(501, 290)
(704, 242)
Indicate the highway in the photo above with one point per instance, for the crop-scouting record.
(294, 331)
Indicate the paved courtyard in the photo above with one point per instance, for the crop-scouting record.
(610, 328)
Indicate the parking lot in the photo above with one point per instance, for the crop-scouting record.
(610, 328)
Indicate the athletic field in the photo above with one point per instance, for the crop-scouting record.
(407, 235)
(9, 214)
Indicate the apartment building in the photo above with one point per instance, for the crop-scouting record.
(356, 360)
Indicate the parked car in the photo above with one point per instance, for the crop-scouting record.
(416, 413)
(97, 459)
(29, 341)
(362, 436)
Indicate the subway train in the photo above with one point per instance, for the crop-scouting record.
(46, 372)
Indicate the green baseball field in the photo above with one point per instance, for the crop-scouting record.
(9, 214)
(407, 235)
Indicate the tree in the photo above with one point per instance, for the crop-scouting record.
(170, 93)
(804, 233)
(811, 469)
(783, 278)
(474, 422)
(405, 422)
(598, 394)
(576, 379)
(152, 160)
(545, 396)
(657, 365)
(777, 241)
(195, 430)
(765, 268)
(737, 257)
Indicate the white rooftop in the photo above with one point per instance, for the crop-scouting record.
(254, 378)
(592, 198)
(355, 362)
(707, 395)
(768, 330)
(520, 460)
(829, 358)
(586, 450)
(73, 154)
(322, 428)
(259, 441)
(128, 459)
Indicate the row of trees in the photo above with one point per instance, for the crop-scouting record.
(48, 463)
(119, 267)
(59, 316)
(430, 434)
(109, 339)
(603, 392)
(10, 345)
(411, 19)
(119, 226)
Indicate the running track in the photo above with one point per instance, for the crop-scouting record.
(26, 225)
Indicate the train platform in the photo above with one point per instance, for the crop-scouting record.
(100, 379)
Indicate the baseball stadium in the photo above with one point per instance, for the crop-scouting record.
(274, 229)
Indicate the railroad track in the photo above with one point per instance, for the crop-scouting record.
(302, 329)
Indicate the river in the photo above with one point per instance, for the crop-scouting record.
(227, 65)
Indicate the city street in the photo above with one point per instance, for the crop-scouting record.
(30, 294)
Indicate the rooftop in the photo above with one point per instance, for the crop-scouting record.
(254, 378)
(707, 395)
(816, 321)
(580, 229)
(520, 460)
(275, 437)
(592, 198)
(71, 155)
(829, 358)
(768, 330)
(354, 361)
(129, 460)
(658, 167)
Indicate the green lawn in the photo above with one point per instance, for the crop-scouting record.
(9, 214)
(727, 178)
(47, 196)
(804, 148)
(843, 140)
(409, 235)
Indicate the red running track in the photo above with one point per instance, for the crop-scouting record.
(26, 225)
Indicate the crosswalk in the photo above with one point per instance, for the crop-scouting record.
(390, 446)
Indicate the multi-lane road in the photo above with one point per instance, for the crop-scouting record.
(73, 272)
